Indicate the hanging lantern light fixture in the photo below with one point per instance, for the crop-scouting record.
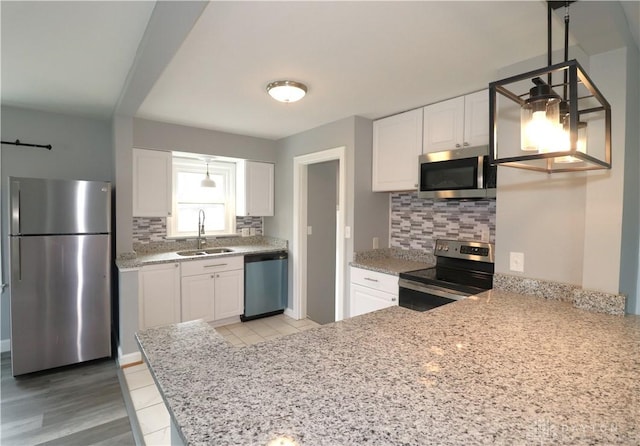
(553, 127)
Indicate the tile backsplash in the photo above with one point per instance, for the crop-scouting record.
(152, 229)
(416, 222)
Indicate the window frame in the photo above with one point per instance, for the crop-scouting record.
(191, 165)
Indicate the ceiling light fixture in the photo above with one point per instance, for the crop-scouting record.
(207, 181)
(286, 91)
(553, 127)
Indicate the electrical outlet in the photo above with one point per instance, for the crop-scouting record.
(516, 261)
(376, 242)
(347, 232)
(309, 230)
(252, 231)
(245, 232)
(485, 234)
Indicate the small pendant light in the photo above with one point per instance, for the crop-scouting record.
(207, 181)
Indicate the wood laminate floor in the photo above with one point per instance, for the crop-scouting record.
(77, 405)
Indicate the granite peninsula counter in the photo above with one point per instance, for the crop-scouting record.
(497, 368)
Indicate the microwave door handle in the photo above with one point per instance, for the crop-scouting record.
(481, 172)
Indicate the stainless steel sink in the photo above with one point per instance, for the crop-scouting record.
(203, 252)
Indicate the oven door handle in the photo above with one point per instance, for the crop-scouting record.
(430, 289)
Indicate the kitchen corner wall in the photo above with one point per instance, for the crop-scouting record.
(154, 229)
(416, 223)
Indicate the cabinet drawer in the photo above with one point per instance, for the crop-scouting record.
(372, 279)
(212, 265)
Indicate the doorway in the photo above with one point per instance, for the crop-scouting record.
(302, 252)
(322, 202)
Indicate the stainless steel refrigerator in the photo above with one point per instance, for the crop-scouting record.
(60, 263)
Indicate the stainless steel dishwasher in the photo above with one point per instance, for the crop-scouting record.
(265, 284)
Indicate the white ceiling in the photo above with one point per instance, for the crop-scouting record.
(370, 59)
(70, 57)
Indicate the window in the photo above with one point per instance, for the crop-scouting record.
(189, 197)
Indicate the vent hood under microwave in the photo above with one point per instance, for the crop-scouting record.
(461, 174)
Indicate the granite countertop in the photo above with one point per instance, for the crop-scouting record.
(164, 253)
(497, 368)
(393, 260)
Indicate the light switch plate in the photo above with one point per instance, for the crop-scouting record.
(376, 242)
(347, 232)
(309, 230)
(252, 231)
(516, 262)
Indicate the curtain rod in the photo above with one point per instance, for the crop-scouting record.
(18, 143)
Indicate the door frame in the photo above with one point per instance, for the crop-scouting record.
(300, 188)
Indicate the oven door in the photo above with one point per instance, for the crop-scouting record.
(422, 297)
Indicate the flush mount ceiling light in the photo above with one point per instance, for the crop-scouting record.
(565, 132)
(286, 91)
(207, 181)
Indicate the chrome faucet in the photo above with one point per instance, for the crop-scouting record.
(202, 241)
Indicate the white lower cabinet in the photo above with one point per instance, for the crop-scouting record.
(229, 294)
(216, 294)
(198, 293)
(159, 295)
(371, 291)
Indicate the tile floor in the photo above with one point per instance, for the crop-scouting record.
(151, 412)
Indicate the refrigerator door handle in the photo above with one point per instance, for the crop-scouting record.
(15, 208)
(16, 261)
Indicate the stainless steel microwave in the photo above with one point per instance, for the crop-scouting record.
(460, 173)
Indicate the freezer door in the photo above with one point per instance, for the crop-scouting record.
(42, 206)
(60, 300)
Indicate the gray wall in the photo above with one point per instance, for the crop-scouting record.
(369, 217)
(163, 136)
(630, 261)
(371, 209)
(81, 150)
(336, 134)
(321, 244)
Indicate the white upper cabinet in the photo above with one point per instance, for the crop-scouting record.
(456, 123)
(151, 183)
(397, 144)
(476, 119)
(443, 125)
(254, 189)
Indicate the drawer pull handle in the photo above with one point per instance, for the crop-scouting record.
(215, 265)
(393, 299)
(370, 280)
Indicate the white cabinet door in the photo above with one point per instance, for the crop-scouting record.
(159, 295)
(198, 294)
(397, 144)
(152, 175)
(255, 189)
(476, 119)
(365, 300)
(443, 125)
(229, 294)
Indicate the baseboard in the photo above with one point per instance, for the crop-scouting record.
(289, 312)
(5, 345)
(128, 358)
